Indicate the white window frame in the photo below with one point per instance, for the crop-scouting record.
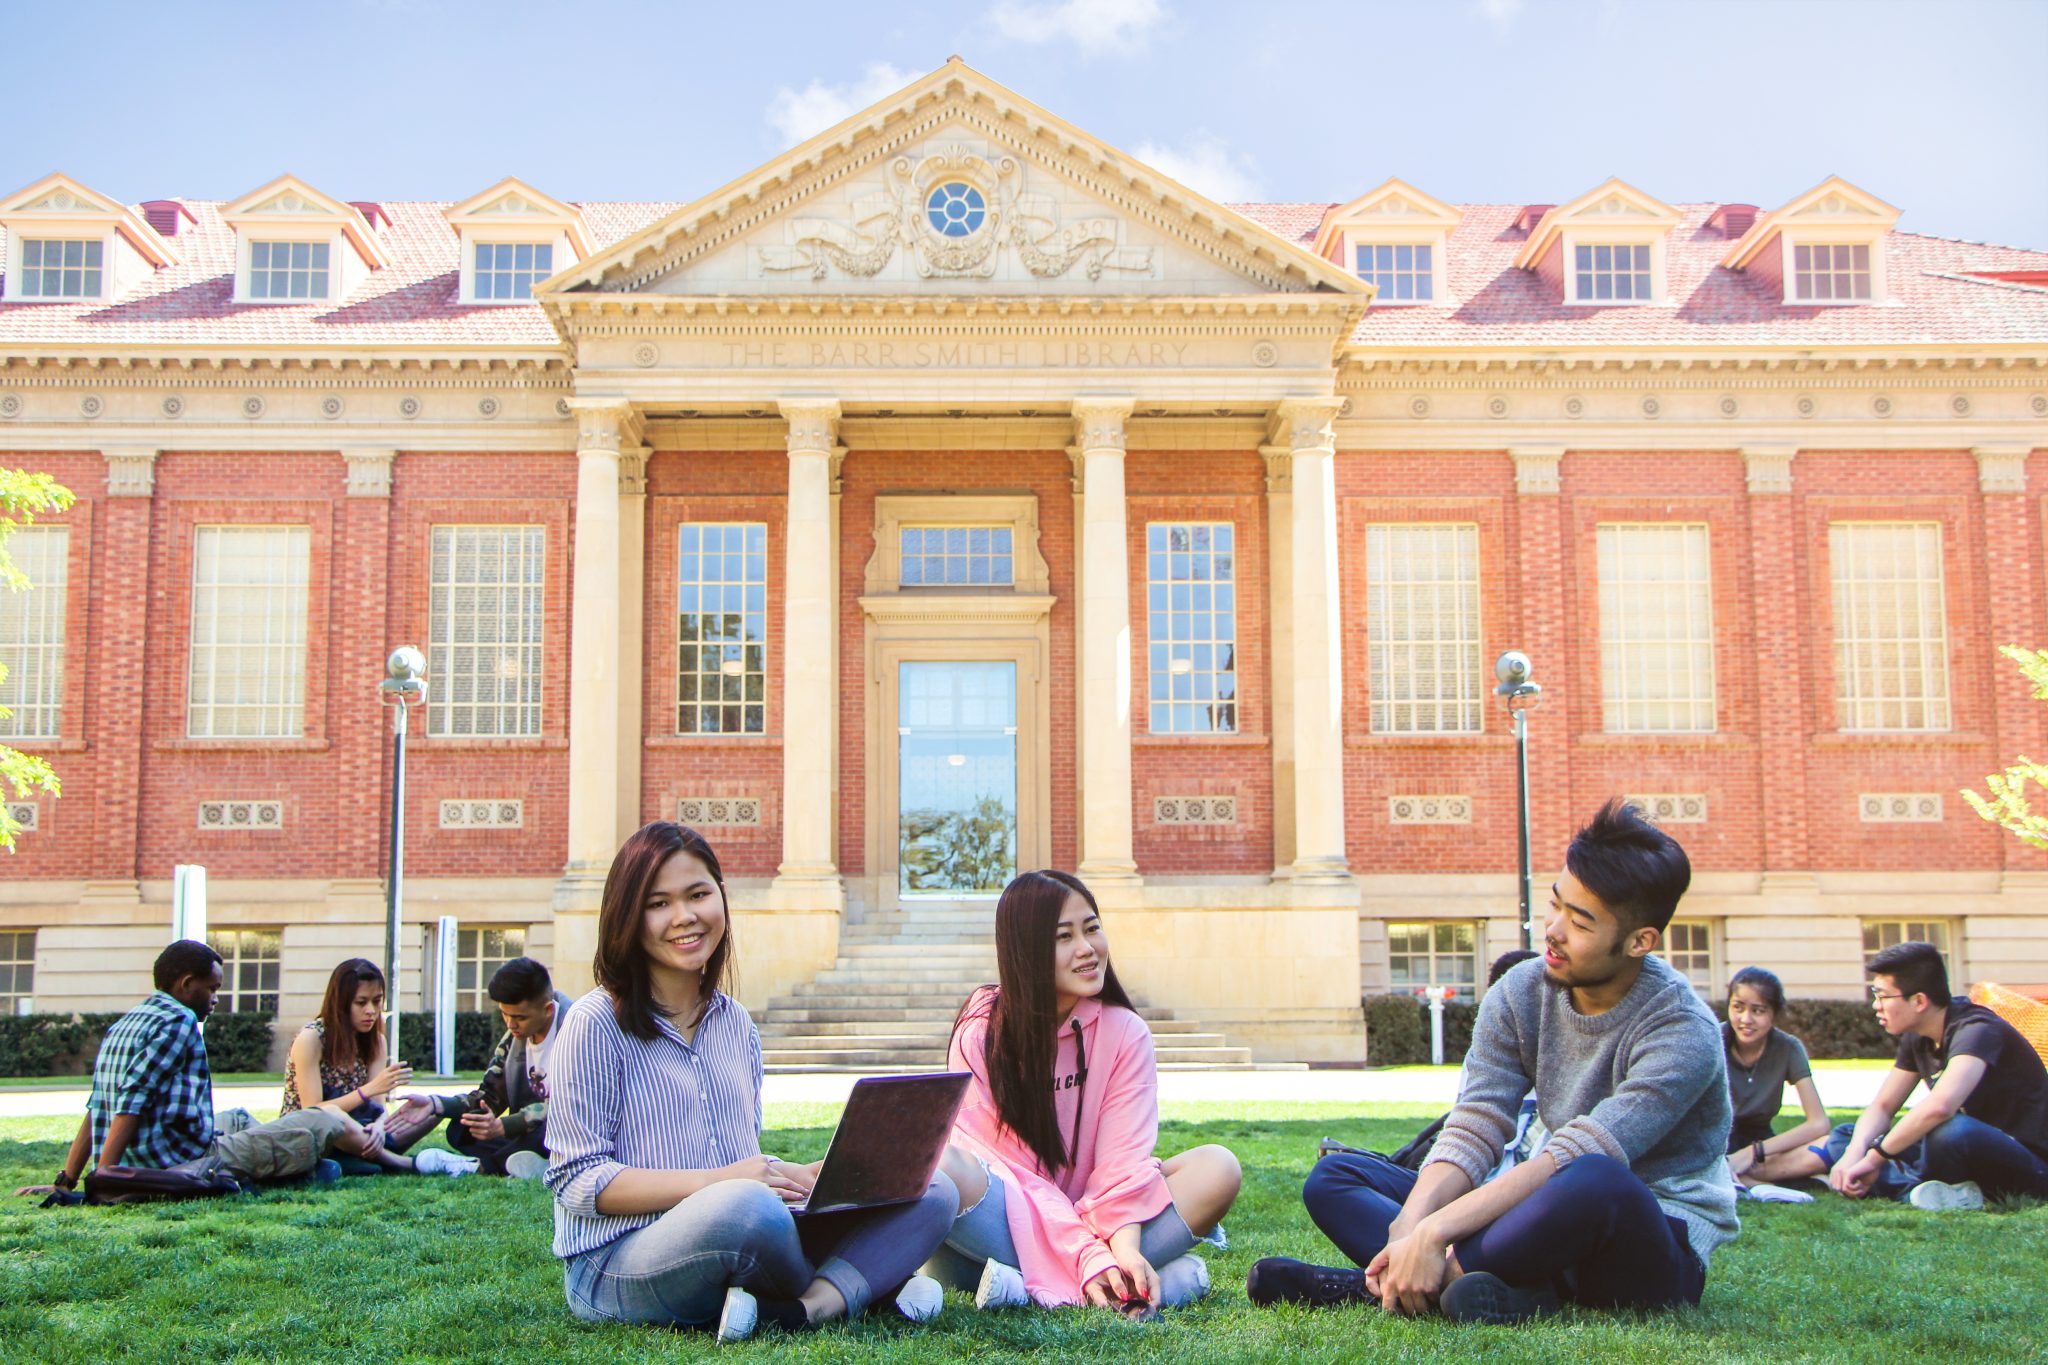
(1467, 990)
(271, 234)
(471, 961)
(241, 951)
(33, 627)
(1795, 276)
(19, 970)
(751, 679)
(551, 242)
(1792, 238)
(962, 532)
(1460, 692)
(278, 665)
(1624, 661)
(1357, 242)
(17, 267)
(1894, 929)
(519, 620)
(1859, 709)
(1182, 667)
(1571, 242)
(1704, 975)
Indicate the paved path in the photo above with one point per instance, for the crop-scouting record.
(1840, 1088)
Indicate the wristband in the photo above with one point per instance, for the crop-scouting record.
(361, 1096)
(1756, 1152)
(1878, 1147)
(65, 1181)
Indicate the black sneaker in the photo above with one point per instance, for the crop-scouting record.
(1481, 1297)
(1280, 1279)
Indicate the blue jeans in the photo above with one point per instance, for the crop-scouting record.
(675, 1271)
(1961, 1148)
(982, 1234)
(1593, 1231)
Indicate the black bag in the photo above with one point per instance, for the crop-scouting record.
(1416, 1151)
(146, 1184)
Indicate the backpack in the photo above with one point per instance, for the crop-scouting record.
(146, 1184)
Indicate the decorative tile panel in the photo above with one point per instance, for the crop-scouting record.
(473, 812)
(219, 815)
(1194, 810)
(1683, 808)
(1429, 810)
(25, 814)
(1899, 808)
(718, 810)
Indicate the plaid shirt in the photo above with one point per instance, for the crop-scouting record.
(152, 1064)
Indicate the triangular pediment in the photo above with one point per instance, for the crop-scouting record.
(1393, 204)
(953, 186)
(514, 203)
(58, 199)
(1614, 203)
(1833, 203)
(289, 199)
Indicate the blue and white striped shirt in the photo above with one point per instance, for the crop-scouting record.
(615, 1101)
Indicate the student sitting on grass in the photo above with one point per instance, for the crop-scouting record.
(666, 1211)
(1064, 1201)
(1630, 1194)
(338, 1062)
(1762, 1060)
(1983, 1128)
(503, 1122)
(152, 1095)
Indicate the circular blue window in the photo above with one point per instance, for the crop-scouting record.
(956, 209)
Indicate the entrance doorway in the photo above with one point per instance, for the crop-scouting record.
(957, 795)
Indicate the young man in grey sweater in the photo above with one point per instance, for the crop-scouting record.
(1624, 1204)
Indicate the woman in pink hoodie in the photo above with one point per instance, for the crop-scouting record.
(1063, 1201)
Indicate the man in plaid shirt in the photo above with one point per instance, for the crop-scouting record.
(152, 1094)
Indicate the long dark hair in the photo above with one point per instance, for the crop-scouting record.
(620, 966)
(1765, 983)
(340, 1044)
(1023, 1010)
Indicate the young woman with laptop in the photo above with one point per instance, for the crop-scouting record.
(666, 1210)
(1062, 1200)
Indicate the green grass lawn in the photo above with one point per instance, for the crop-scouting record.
(416, 1269)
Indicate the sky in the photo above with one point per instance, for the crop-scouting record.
(1936, 106)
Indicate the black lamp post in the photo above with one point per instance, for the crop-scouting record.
(403, 688)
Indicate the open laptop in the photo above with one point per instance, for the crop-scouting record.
(890, 1139)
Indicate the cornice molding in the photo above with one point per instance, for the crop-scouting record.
(993, 609)
(369, 471)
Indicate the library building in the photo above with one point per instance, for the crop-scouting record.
(956, 494)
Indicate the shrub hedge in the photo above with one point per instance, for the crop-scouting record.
(1397, 1029)
(65, 1044)
(476, 1033)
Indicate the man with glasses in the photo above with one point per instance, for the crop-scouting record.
(1983, 1128)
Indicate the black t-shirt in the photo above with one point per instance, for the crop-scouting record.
(2013, 1096)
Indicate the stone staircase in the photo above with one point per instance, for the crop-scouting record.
(889, 1001)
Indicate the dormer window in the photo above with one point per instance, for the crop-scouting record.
(1404, 272)
(1831, 272)
(288, 270)
(1604, 249)
(67, 244)
(511, 238)
(1826, 247)
(1394, 238)
(1618, 273)
(510, 270)
(61, 267)
(296, 245)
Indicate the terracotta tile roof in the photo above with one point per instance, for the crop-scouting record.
(413, 302)
(1494, 304)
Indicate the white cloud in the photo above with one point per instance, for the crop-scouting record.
(1205, 164)
(799, 114)
(1501, 14)
(1097, 27)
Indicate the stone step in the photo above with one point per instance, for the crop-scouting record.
(968, 955)
(807, 1022)
(866, 1056)
(905, 975)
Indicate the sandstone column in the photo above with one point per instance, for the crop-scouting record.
(603, 430)
(809, 874)
(117, 727)
(1316, 698)
(1782, 713)
(1105, 640)
(632, 633)
(2012, 543)
(1280, 625)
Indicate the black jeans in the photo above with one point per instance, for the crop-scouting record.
(1593, 1232)
(490, 1153)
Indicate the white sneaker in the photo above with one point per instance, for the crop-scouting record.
(526, 1166)
(434, 1161)
(736, 1321)
(1001, 1287)
(920, 1299)
(1940, 1196)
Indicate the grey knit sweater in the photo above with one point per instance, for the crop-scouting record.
(1644, 1083)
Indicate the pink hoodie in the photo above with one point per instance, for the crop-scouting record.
(1061, 1224)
